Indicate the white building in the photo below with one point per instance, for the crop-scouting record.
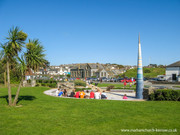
(173, 72)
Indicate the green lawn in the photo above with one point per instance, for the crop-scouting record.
(147, 72)
(115, 85)
(46, 115)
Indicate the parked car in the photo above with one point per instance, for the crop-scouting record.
(104, 79)
(119, 79)
(113, 80)
(128, 80)
(161, 78)
(108, 80)
(94, 79)
(153, 79)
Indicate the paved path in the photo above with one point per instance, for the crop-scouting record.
(110, 95)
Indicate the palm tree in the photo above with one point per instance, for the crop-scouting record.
(32, 59)
(10, 50)
(21, 66)
(35, 56)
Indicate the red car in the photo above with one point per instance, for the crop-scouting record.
(128, 80)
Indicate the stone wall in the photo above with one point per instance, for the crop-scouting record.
(147, 92)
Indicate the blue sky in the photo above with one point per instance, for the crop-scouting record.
(104, 31)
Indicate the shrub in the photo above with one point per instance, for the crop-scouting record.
(28, 81)
(39, 81)
(52, 85)
(43, 84)
(38, 84)
(110, 87)
(80, 83)
(79, 89)
(168, 95)
(147, 71)
(45, 81)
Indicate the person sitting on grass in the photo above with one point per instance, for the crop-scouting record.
(87, 94)
(57, 92)
(82, 94)
(61, 93)
(97, 94)
(77, 94)
(125, 96)
(72, 93)
(91, 95)
(65, 92)
(103, 95)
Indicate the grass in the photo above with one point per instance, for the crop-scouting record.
(176, 86)
(115, 85)
(153, 72)
(40, 114)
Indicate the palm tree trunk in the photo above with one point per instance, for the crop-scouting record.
(5, 82)
(9, 85)
(17, 93)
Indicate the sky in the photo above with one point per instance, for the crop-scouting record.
(104, 31)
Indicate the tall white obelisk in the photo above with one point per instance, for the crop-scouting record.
(139, 81)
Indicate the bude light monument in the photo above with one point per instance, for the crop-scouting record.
(139, 81)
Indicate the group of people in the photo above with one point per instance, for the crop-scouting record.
(61, 92)
(81, 94)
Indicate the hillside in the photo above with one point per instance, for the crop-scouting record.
(147, 72)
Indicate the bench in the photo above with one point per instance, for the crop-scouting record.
(121, 90)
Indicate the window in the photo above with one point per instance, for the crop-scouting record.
(101, 73)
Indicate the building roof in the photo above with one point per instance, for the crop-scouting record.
(95, 65)
(110, 72)
(80, 66)
(99, 70)
(176, 64)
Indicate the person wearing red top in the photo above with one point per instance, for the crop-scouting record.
(125, 96)
(124, 83)
(92, 95)
(77, 94)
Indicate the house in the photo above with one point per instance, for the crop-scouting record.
(94, 68)
(104, 73)
(30, 75)
(173, 72)
(80, 71)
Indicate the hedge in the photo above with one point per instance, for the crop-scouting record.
(165, 95)
(52, 85)
(79, 89)
(79, 83)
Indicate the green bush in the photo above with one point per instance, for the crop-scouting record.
(28, 81)
(39, 81)
(147, 71)
(43, 84)
(79, 83)
(45, 81)
(168, 95)
(110, 87)
(38, 84)
(79, 89)
(52, 85)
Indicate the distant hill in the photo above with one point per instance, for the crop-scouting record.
(147, 72)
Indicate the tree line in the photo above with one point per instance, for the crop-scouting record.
(18, 57)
